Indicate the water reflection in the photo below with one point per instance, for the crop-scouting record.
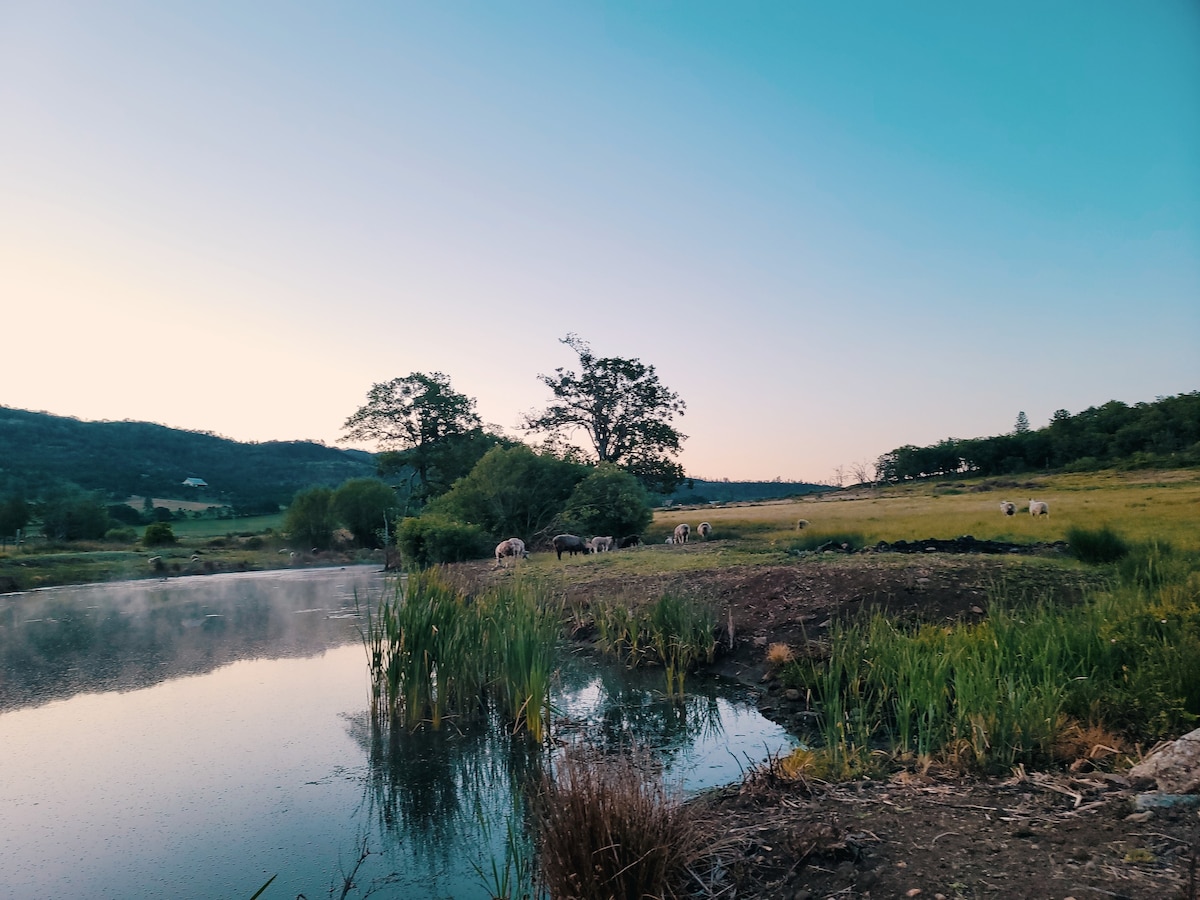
(63, 641)
(186, 768)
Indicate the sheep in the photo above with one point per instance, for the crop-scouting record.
(802, 524)
(632, 541)
(570, 544)
(601, 544)
(1008, 507)
(514, 547)
(669, 540)
(705, 530)
(1039, 508)
(682, 531)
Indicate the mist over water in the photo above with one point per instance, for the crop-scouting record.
(195, 737)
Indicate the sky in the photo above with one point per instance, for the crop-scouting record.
(833, 228)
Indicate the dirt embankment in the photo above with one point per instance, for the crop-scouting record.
(929, 835)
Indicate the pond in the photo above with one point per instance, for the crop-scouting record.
(194, 737)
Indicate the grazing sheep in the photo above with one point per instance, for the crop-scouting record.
(570, 544)
(669, 540)
(802, 524)
(1008, 507)
(1039, 508)
(601, 544)
(632, 541)
(682, 531)
(705, 530)
(514, 547)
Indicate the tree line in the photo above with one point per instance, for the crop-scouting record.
(1164, 433)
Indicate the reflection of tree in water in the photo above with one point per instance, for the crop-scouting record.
(441, 793)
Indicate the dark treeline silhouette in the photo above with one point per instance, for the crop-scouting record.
(697, 490)
(1165, 433)
(40, 452)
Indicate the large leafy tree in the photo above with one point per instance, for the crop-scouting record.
(430, 427)
(622, 408)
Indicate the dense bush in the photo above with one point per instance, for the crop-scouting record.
(74, 516)
(121, 535)
(609, 501)
(433, 539)
(310, 519)
(1096, 545)
(158, 534)
(606, 829)
(363, 505)
(512, 492)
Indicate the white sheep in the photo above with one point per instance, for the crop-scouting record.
(1008, 507)
(682, 530)
(802, 524)
(601, 544)
(705, 530)
(1039, 508)
(514, 547)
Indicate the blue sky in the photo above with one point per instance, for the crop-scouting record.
(833, 228)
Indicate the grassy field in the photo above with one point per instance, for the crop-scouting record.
(202, 529)
(1138, 505)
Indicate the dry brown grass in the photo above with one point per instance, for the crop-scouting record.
(779, 655)
(608, 829)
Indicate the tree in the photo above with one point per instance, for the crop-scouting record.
(1022, 426)
(624, 410)
(362, 505)
(610, 501)
(512, 492)
(74, 515)
(424, 420)
(14, 515)
(310, 519)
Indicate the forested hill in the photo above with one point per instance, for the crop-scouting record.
(39, 451)
(697, 490)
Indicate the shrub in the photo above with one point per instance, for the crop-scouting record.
(1096, 546)
(121, 535)
(606, 830)
(158, 534)
(431, 540)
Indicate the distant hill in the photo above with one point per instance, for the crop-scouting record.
(39, 451)
(697, 490)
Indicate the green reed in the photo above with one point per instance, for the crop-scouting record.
(433, 654)
(675, 632)
(999, 692)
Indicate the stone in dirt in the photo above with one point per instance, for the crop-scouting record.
(1175, 767)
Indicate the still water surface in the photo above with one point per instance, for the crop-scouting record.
(191, 738)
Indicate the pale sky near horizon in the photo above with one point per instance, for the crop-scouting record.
(834, 229)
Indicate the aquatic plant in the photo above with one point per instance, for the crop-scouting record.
(1003, 691)
(675, 631)
(432, 652)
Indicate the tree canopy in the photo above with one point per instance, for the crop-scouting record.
(430, 427)
(622, 408)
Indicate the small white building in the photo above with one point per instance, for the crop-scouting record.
(195, 482)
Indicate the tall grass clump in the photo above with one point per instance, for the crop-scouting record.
(606, 829)
(1002, 691)
(675, 632)
(1096, 545)
(431, 653)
